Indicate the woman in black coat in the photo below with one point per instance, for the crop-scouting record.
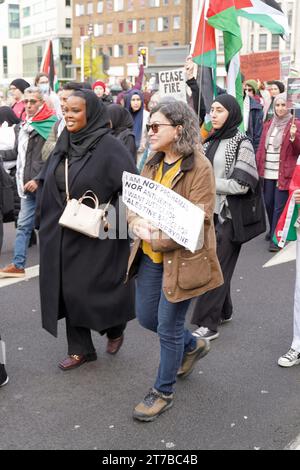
(82, 279)
(122, 127)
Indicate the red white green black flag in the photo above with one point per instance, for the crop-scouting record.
(267, 13)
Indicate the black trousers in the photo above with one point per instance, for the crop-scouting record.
(80, 339)
(1, 231)
(216, 304)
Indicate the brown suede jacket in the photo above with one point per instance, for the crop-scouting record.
(185, 274)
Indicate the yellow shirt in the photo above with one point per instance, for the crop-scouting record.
(166, 180)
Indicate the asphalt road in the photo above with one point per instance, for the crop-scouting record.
(237, 397)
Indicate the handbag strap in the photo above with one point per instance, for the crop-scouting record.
(67, 178)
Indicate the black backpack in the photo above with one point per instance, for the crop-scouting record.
(6, 195)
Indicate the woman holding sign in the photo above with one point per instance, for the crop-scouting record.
(232, 156)
(276, 160)
(168, 275)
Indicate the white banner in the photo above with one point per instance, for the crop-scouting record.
(177, 217)
(173, 83)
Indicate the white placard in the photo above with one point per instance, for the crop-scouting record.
(173, 83)
(174, 215)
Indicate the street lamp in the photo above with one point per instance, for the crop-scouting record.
(90, 35)
(82, 39)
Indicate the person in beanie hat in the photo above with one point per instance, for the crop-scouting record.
(17, 88)
(99, 89)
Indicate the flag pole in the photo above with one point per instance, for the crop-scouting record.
(202, 8)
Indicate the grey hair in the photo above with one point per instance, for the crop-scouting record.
(37, 90)
(179, 113)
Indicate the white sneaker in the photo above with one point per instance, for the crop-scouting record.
(204, 332)
(291, 358)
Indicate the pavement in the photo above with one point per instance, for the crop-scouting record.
(237, 398)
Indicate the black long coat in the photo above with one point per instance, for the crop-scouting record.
(81, 277)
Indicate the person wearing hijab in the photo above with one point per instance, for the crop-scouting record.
(276, 160)
(232, 155)
(134, 103)
(82, 279)
(275, 88)
(16, 90)
(122, 127)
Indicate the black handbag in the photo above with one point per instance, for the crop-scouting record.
(6, 195)
(248, 215)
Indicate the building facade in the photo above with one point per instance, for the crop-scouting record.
(10, 46)
(258, 39)
(118, 28)
(42, 20)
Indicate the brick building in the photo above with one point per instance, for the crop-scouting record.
(117, 28)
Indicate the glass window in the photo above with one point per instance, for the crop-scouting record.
(142, 26)
(176, 22)
(152, 25)
(262, 45)
(14, 21)
(275, 42)
(130, 50)
(118, 5)
(5, 61)
(26, 12)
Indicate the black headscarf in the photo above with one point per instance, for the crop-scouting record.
(279, 84)
(120, 118)
(77, 144)
(230, 127)
(7, 114)
(20, 84)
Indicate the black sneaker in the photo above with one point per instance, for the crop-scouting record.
(225, 320)
(3, 376)
(154, 404)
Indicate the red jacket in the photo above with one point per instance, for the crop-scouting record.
(289, 153)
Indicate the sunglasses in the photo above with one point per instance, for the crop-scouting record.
(155, 127)
(249, 89)
(30, 101)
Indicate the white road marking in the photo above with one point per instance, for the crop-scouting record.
(295, 445)
(30, 274)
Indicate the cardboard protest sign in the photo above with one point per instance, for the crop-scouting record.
(262, 65)
(174, 215)
(173, 83)
(293, 93)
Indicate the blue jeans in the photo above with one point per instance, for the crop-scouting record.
(25, 226)
(275, 200)
(157, 314)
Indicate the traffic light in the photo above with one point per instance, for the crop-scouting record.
(143, 56)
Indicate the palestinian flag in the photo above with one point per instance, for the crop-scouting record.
(44, 121)
(267, 13)
(48, 67)
(204, 54)
(288, 222)
(222, 15)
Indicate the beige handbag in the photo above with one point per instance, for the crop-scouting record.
(81, 218)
